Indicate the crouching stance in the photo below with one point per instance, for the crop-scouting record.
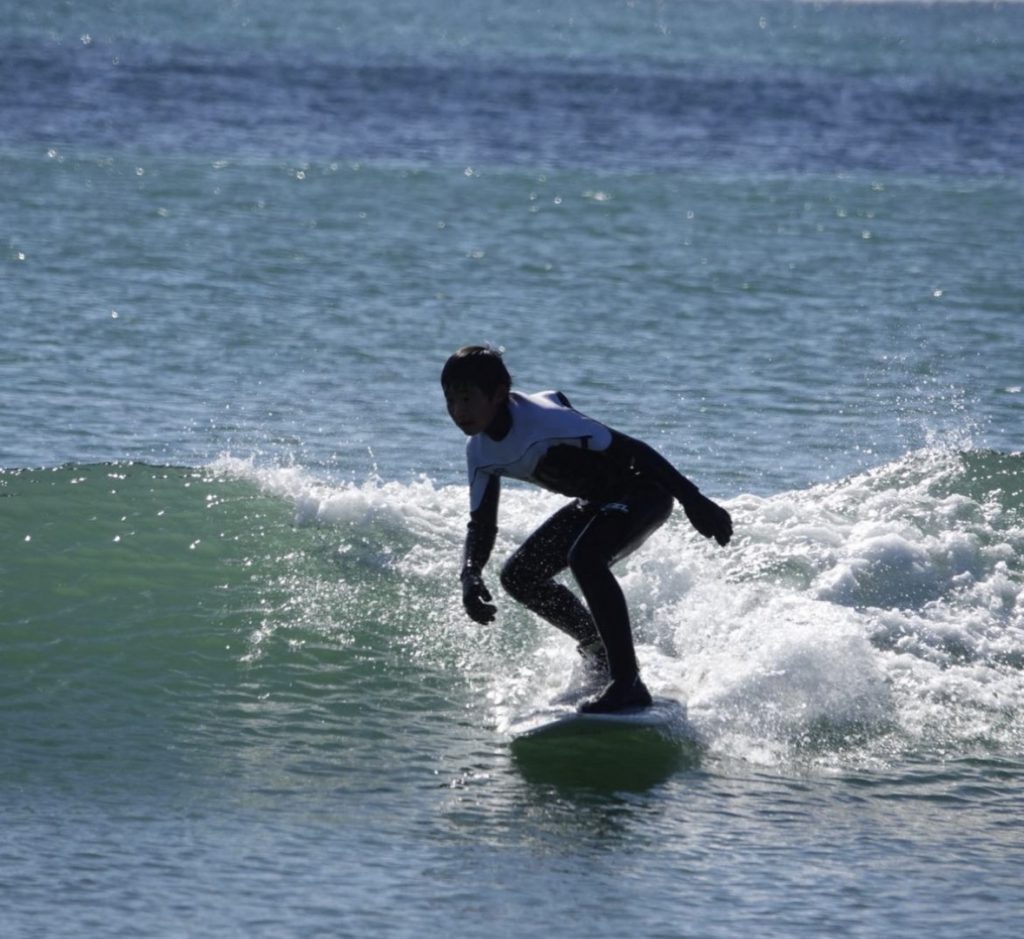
(622, 491)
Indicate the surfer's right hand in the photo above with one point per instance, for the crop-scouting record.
(476, 598)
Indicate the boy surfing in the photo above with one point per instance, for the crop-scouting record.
(622, 491)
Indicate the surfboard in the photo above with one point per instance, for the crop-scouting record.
(665, 716)
(624, 751)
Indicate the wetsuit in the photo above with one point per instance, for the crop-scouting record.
(623, 491)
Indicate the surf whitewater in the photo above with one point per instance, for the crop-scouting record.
(859, 622)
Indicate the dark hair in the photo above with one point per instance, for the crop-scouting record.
(476, 366)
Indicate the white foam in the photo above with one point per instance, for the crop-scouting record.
(873, 616)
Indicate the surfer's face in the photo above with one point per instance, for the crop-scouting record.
(472, 409)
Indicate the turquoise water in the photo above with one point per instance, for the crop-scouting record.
(778, 241)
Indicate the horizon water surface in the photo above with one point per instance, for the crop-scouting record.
(778, 241)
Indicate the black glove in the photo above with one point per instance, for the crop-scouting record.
(476, 597)
(709, 518)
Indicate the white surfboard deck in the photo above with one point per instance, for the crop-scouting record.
(664, 714)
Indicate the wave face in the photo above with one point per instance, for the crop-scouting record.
(187, 619)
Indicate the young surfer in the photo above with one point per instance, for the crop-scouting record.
(622, 491)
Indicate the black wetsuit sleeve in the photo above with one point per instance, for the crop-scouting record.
(482, 529)
(646, 461)
(709, 518)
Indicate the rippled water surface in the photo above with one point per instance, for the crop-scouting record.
(780, 242)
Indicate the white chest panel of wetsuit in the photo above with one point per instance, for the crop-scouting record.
(539, 422)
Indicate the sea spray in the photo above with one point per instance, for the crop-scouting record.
(862, 620)
(834, 627)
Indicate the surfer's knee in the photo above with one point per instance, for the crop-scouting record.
(515, 578)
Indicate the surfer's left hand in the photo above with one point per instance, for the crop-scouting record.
(709, 518)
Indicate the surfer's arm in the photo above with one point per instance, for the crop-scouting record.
(481, 533)
(709, 518)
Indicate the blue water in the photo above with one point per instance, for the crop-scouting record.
(778, 241)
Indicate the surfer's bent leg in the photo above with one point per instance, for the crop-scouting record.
(529, 574)
(616, 530)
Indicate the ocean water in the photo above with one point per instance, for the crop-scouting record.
(779, 241)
